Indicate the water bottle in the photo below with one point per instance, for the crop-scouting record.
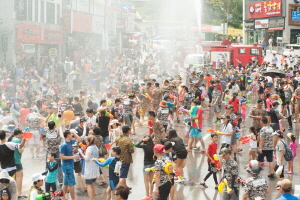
(26, 129)
(118, 168)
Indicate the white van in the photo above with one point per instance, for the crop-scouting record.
(288, 47)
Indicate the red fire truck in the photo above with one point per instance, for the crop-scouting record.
(225, 53)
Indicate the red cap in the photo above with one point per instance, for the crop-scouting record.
(159, 148)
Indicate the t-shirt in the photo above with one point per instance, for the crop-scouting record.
(255, 186)
(169, 105)
(227, 128)
(66, 149)
(280, 147)
(230, 169)
(150, 123)
(162, 115)
(103, 123)
(74, 123)
(266, 133)
(53, 140)
(159, 167)
(23, 114)
(68, 116)
(235, 103)
(212, 150)
(33, 120)
(55, 118)
(215, 95)
(199, 124)
(91, 121)
(128, 104)
(17, 155)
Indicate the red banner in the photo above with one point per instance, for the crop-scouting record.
(265, 9)
(82, 22)
(53, 37)
(29, 33)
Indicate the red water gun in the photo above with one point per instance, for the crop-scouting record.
(245, 139)
(217, 162)
(177, 173)
(211, 130)
(82, 146)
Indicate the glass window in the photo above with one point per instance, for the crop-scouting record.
(74, 4)
(254, 52)
(58, 14)
(29, 10)
(36, 11)
(242, 51)
(42, 11)
(50, 13)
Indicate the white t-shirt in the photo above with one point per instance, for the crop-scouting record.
(227, 128)
(252, 143)
(33, 194)
(91, 121)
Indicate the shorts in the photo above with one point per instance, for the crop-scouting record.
(124, 170)
(242, 88)
(90, 181)
(147, 166)
(182, 155)
(253, 149)
(19, 167)
(35, 138)
(233, 196)
(282, 172)
(77, 167)
(268, 113)
(128, 119)
(275, 127)
(238, 135)
(113, 184)
(243, 116)
(211, 167)
(265, 153)
(195, 133)
(166, 127)
(217, 108)
(233, 138)
(210, 98)
(164, 191)
(69, 178)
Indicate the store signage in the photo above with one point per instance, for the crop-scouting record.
(296, 15)
(274, 23)
(21, 9)
(249, 25)
(53, 52)
(97, 24)
(66, 21)
(261, 23)
(52, 37)
(265, 9)
(82, 22)
(29, 33)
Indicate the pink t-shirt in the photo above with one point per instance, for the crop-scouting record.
(243, 109)
(269, 104)
(199, 113)
(293, 146)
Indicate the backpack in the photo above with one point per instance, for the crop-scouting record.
(288, 155)
(102, 149)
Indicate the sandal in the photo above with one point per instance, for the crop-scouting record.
(277, 187)
(102, 183)
(204, 185)
(85, 188)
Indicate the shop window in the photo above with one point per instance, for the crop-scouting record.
(254, 52)
(242, 50)
(36, 11)
(50, 13)
(42, 11)
(29, 10)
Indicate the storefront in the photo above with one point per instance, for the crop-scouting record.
(294, 22)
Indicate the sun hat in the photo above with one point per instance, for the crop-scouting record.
(163, 104)
(253, 167)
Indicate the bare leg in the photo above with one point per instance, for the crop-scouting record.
(19, 180)
(146, 182)
(72, 193)
(37, 150)
(108, 192)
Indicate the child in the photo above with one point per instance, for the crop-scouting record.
(252, 155)
(293, 146)
(52, 168)
(237, 123)
(114, 170)
(210, 152)
(243, 112)
(150, 129)
(4, 195)
(226, 98)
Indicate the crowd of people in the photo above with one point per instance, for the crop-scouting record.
(81, 136)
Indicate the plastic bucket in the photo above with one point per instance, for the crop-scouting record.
(107, 146)
(27, 135)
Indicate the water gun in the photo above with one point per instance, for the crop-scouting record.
(102, 160)
(217, 162)
(186, 119)
(148, 97)
(172, 96)
(183, 110)
(82, 146)
(245, 139)
(166, 167)
(152, 169)
(133, 144)
(211, 130)
(177, 173)
(43, 196)
(59, 111)
(140, 112)
(226, 183)
(109, 115)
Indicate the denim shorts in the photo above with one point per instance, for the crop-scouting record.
(90, 181)
(69, 178)
(106, 140)
(147, 166)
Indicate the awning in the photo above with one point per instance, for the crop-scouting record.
(276, 29)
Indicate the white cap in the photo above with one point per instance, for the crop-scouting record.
(37, 177)
(73, 131)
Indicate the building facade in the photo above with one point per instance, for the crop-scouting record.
(271, 21)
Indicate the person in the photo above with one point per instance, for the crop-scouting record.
(4, 195)
(8, 183)
(210, 152)
(257, 113)
(34, 120)
(68, 116)
(113, 177)
(256, 185)
(128, 105)
(7, 150)
(77, 106)
(125, 143)
(275, 116)
(81, 126)
(146, 102)
(227, 131)
(280, 151)
(179, 149)
(234, 102)
(266, 145)
(163, 113)
(52, 171)
(91, 118)
(252, 154)
(157, 127)
(24, 111)
(157, 96)
(216, 103)
(75, 122)
(17, 138)
(147, 146)
(121, 193)
(53, 112)
(35, 190)
(285, 188)
(91, 170)
(103, 122)
(231, 172)
(67, 156)
(162, 182)
(293, 146)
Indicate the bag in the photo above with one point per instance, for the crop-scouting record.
(102, 150)
(288, 155)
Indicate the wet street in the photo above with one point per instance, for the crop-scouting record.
(195, 170)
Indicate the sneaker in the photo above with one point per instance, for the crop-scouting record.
(289, 172)
(202, 151)
(271, 176)
(290, 128)
(146, 198)
(219, 122)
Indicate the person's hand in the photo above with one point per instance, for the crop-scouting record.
(213, 162)
(50, 111)
(156, 192)
(76, 157)
(229, 192)
(84, 124)
(94, 159)
(279, 163)
(260, 151)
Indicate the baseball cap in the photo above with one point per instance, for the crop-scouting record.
(169, 145)
(37, 177)
(285, 184)
(226, 117)
(159, 148)
(4, 192)
(224, 151)
(83, 119)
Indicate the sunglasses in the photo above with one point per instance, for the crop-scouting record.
(4, 181)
